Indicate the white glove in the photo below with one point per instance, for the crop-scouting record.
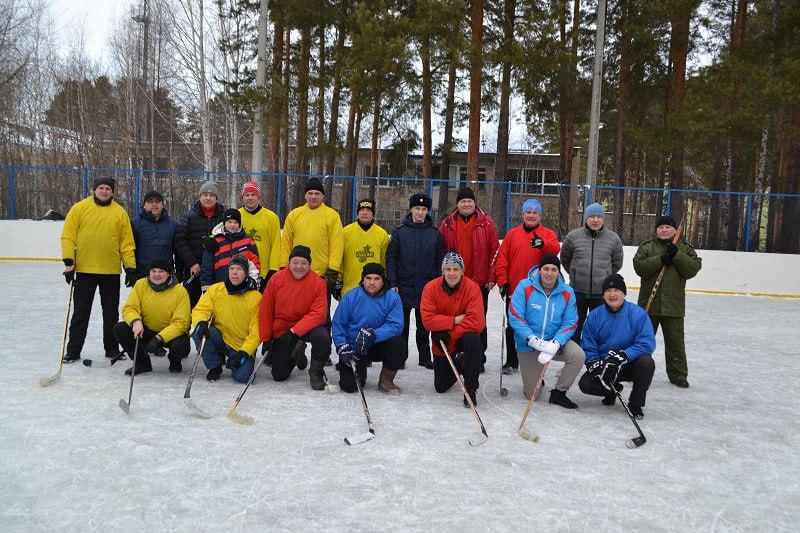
(545, 357)
(550, 347)
(533, 341)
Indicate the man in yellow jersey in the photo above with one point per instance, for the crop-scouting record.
(364, 242)
(264, 228)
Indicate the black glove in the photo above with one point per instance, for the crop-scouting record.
(285, 344)
(536, 241)
(346, 354)
(210, 244)
(236, 360)
(504, 291)
(337, 289)
(611, 366)
(331, 276)
(69, 275)
(201, 329)
(130, 277)
(440, 336)
(364, 340)
(266, 346)
(666, 259)
(154, 346)
(595, 369)
(672, 249)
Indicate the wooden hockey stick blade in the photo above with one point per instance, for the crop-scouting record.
(527, 435)
(331, 388)
(359, 439)
(480, 439)
(241, 419)
(196, 410)
(124, 406)
(52, 380)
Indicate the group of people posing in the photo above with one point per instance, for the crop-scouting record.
(234, 281)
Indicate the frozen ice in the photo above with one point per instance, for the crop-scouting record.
(720, 456)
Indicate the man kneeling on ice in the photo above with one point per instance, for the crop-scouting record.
(368, 326)
(227, 317)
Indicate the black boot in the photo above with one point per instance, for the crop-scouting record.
(71, 358)
(299, 355)
(473, 395)
(315, 374)
(559, 397)
(214, 373)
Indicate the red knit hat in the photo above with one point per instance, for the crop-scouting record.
(251, 186)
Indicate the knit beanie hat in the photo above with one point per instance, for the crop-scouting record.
(452, 259)
(373, 268)
(366, 203)
(532, 205)
(314, 185)
(233, 214)
(153, 195)
(594, 210)
(210, 186)
(419, 199)
(666, 220)
(104, 180)
(550, 259)
(301, 251)
(160, 262)
(241, 261)
(251, 186)
(615, 281)
(465, 193)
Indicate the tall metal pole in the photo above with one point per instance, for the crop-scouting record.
(597, 82)
(261, 76)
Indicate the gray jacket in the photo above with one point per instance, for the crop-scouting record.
(589, 257)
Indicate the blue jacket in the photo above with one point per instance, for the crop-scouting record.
(628, 329)
(532, 312)
(153, 239)
(382, 312)
(414, 258)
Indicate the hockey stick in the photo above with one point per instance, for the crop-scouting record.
(186, 395)
(663, 270)
(635, 442)
(52, 380)
(503, 390)
(364, 437)
(485, 437)
(522, 432)
(104, 363)
(330, 388)
(236, 417)
(126, 406)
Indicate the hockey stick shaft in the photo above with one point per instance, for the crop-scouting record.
(187, 393)
(46, 382)
(460, 380)
(125, 406)
(641, 439)
(660, 277)
(363, 398)
(529, 407)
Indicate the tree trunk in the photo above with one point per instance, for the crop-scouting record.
(301, 139)
(447, 145)
(475, 83)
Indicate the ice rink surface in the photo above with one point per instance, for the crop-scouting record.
(720, 456)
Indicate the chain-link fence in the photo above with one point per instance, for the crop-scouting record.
(712, 220)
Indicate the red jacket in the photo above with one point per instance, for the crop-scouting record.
(290, 303)
(516, 256)
(439, 308)
(484, 243)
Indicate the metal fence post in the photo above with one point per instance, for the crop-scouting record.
(508, 206)
(137, 177)
(12, 191)
(669, 201)
(85, 182)
(747, 224)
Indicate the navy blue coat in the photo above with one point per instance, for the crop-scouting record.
(153, 238)
(414, 258)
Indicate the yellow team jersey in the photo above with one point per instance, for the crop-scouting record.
(264, 229)
(362, 247)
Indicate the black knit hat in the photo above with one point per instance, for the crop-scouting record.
(366, 203)
(615, 281)
(153, 195)
(421, 200)
(160, 262)
(550, 259)
(373, 268)
(465, 193)
(301, 251)
(104, 180)
(241, 261)
(314, 185)
(233, 214)
(666, 220)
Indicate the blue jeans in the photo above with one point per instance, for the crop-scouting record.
(215, 352)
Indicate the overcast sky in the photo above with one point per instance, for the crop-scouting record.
(95, 18)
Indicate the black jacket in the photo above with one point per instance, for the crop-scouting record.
(414, 258)
(189, 234)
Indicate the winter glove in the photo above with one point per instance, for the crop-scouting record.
(611, 366)
(595, 369)
(337, 289)
(154, 346)
(330, 279)
(346, 354)
(69, 275)
(536, 241)
(265, 347)
(364, 340)
(130, 277)
(201, 330)
(285, 344)
(236, 360)
(666, 260)
(672, 249)
(210, 244)
(534, 342)
(504, 291)
(440, 336)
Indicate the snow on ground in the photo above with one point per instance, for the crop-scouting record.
(720, 456)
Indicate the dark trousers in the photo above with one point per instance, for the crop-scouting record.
(640, 372)
(83, 297)
(178, 347)
(194, 290)
(484, 334)
(467, 359)
(390, 352)
(584, 304)
(423, 336)
(511, 349)
(281, 356)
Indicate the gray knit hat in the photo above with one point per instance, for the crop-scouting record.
(210, 186)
